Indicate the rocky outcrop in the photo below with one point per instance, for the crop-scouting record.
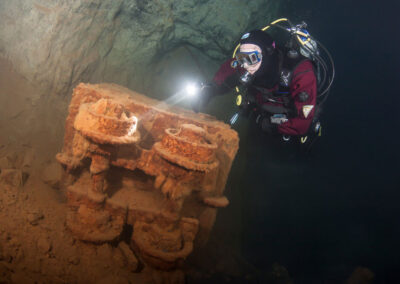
(59, 43)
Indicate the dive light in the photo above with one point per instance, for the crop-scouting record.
(193, 89)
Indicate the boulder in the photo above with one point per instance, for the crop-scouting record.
(34, 217)
(11, 177)
(44, 245)
(27, 161)
(361, 275)
(6, 163)
(52, 174)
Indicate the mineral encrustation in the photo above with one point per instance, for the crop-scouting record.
(133, 164)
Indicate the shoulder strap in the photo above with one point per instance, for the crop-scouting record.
(289, 65)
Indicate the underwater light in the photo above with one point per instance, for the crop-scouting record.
(192, 89)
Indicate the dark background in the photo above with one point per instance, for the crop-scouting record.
(324, 215)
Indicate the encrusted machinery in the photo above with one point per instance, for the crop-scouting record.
(135, 162)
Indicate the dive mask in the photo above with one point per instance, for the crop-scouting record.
(249, 58)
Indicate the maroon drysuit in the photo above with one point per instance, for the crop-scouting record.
(303, 80)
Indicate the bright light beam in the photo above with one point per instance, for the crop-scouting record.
(192, 89)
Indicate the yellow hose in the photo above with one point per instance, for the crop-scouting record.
(234, 52)
(304, 35)
(273, 23)
(264, 29)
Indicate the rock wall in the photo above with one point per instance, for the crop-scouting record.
(60, 43)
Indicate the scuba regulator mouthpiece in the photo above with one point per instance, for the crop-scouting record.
(246, 78)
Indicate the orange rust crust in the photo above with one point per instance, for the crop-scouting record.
(112, 126)
(184, 161)
(194, 151)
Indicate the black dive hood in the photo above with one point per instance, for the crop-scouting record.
(267, 76)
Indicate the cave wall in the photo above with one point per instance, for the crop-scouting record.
(60, 43)
(47, 47)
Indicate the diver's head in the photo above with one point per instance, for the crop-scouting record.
(258, 55)
(249, 57)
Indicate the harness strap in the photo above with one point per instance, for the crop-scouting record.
(275, 109)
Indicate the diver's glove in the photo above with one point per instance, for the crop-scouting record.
(235, 80)
(204, 96)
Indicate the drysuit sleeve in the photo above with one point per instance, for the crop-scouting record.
(303, 91)
(226, 78)
(224, 81)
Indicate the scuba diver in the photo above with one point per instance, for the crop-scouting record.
(282, 87)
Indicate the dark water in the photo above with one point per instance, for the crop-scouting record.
(323, 216)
